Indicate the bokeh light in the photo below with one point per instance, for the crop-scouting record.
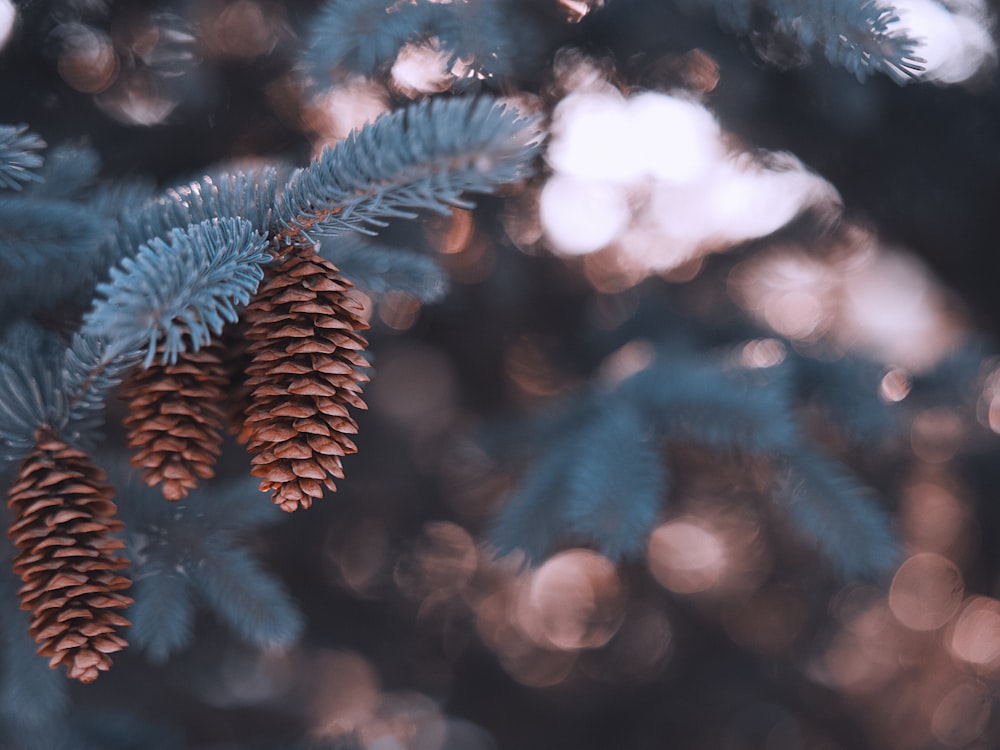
(358, 560)
(768, 622)
(347, 106)
(404, 720)
(953, 38)
(8, 19)
(441, 559)
(686, 557)
(241, 29)
(343, 692)
(962, 714)
(652, 177)
(936, 434)
(879, 302)
(87, 61)
(934, 519)
(581, 216)
(975, 635)
(926, 591)
(573, 601)
(421, 68)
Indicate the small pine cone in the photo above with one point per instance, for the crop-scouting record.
(176, 417)
(63, 521)
(306, 351)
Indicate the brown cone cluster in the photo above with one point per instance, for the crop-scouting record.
(176, 418)
(64, 516)
(305, 350)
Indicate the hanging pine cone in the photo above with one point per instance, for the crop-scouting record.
(305, 350)
(63, 521)
(176, 417)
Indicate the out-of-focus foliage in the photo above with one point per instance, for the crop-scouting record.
(717, 471)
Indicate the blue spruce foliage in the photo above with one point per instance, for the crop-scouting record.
(18, 156)
(188, 288)
(101, 277)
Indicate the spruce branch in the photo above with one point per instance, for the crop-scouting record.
(491, 38)
(361, 35)
(695, 400)
(603, 478)
(91, 368)
(831, 510)
(857, 36)
(163, 613)
(247, 195)
(190, 287)
(18, 156)
(378, 270)
(246, 598)
(43, 382)
(38, 232)
(603, 482)
(188, 552)
(425, 156)
(69, 171)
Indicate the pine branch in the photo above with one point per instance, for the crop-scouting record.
(18, 157)
(698, 401)
(856, 35)
(601, 477)
(31, 694)
(617, 490)
(490, 37)
(602, 482)
(244, 597)
(38, 232)
(190, 287)
(846, 390)
(534, 514)
(68, 172)
(361, 35)
(91, 368)
(187, 548)
(379, 270)
(163, 613)
(425, 156)
(29, 387)
(248, 195)
(832, 511)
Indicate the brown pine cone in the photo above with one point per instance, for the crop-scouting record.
(64, 515)
(176, 417)
(306, 351)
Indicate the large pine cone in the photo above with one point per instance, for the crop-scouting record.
(306, 351)
(176, 418)
(64, 516)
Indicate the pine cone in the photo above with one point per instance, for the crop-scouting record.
(63, 521)
(176, 417)
(305, 350)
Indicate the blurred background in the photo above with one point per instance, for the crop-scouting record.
(733, 196)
